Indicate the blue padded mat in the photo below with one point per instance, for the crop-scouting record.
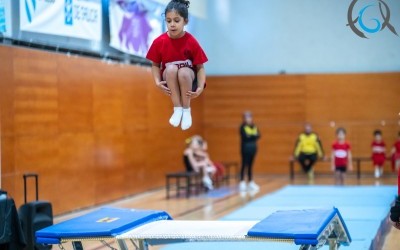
(102, 222)
(363, 209)
(301, 225)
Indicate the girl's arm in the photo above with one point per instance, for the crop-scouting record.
(201, 81)
(350, 161)
(156, 71)
(197, 165)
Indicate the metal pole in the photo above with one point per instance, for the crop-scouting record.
(143, 245)
(122, 245)
(333, 244)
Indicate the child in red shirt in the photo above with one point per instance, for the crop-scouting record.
(341, 156)
(395, 154)
(178, 63)
(395, 210)
(378, 153)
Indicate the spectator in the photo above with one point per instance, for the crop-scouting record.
(197, 159)
(307, 150)
(249, 135)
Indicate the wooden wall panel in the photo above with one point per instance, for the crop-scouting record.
(277, 102)
(282, 104)
(75, 95)
(6, 120)
(94, 132)
(36, 94)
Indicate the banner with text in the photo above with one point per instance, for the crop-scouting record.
(5, 18)
(71, 18)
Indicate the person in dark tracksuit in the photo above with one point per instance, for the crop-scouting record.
(249, 135)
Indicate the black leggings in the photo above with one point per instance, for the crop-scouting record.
(307, 161)
(248, 155)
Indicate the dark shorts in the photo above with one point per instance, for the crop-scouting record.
(194, 85)
(342, 169)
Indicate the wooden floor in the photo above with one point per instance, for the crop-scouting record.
(213, 209)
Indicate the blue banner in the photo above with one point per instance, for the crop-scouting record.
(3, 28)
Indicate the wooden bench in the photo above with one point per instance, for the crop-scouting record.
(187, 181)
(231, 171)
(192, 182)
(356, 160)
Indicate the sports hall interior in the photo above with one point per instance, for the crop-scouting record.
(97, 133)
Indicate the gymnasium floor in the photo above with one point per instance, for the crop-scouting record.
(226, 203)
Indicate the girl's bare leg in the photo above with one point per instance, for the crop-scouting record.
(185, 78)
(171, 76)
(342, 177)
(336, 177)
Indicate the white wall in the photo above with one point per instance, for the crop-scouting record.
(295, 36)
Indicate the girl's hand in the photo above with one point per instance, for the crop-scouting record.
(163, 86)
(193, 95)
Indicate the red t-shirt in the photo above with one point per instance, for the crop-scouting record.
(341, 153)
(397, 146)
(378, 148)
(183, 52)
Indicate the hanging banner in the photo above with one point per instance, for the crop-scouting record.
(71, 18)
(134, 24)
(5, 18)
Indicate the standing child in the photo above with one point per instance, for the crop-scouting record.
(341, 156)
(395, 210)
(395, 154)
(178, 60)
(378, 153)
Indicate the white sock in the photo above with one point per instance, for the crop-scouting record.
(176, 117)
(186, 119)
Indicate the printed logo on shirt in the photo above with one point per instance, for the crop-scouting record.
(181, 64)
(378, 149)
(372, 17)
(340, 153)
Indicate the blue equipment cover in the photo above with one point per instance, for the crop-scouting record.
(304, 226)
(104, 222)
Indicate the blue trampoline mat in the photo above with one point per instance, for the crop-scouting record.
(373, 213)
(363, 208)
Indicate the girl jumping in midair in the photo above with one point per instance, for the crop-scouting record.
(178, 60)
